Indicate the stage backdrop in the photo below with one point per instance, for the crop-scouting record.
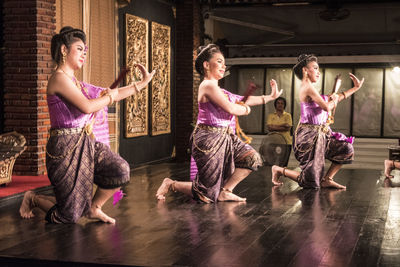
(146, 36)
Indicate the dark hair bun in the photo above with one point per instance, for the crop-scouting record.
(205, 53)
(67, 36)
(66, 29)
(302, 61)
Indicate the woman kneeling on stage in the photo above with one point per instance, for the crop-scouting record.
(314, 140)
(222, 159)
(74, 159)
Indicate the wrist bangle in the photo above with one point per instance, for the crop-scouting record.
(248, 110)
(264, 98)
(344, 95)
(111, 99)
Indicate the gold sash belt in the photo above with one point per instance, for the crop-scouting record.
(69, 131)
(214, 128)
(65, 131)
(323, 127)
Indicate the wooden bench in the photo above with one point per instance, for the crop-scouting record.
(11, 146)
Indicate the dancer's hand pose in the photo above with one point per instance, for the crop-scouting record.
(357, 85)
(275, 93)
(264, 99)
(134, 87)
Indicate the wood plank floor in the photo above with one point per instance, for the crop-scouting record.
(285, 226)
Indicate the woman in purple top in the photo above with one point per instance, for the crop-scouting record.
(74, 159)
(313, 140)
(222, 159)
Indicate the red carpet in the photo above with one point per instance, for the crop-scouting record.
(23, 183)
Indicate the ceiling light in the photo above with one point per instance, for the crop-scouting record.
(396, 70)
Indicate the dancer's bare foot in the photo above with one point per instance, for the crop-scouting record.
(27, 205)
(227, 195)
(275, 175)
(97, 213)
(389, 166)
(164, 188)
(330, 183)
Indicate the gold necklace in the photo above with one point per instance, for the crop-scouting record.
(76, 82)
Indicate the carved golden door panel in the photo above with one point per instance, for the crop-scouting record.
(136, 106)
(161, 84)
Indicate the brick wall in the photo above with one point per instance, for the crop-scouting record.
(1, 67)
(188, 32)
(28, 26)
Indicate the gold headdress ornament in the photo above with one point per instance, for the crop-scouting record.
(206, 48)
(71, 31)
(304, 59)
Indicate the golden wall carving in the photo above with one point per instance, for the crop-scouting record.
(136, 106)
(161, 85)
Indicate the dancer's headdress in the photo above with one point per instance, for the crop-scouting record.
(302, 60)
(203, 55)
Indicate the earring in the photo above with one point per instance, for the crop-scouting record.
(64, 55)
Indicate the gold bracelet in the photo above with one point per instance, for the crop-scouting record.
(111, 99)
(344, 95)
(248, 110)
(264, 99)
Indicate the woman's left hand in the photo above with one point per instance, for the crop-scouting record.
(275, 93)
(145, 74)
(357, 83)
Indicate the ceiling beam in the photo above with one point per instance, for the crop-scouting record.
(251, 25)
(321, 60)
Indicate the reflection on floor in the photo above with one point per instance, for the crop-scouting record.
(278, 226)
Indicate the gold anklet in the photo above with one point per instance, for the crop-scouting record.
(327, 178)
(227, 190)
(173, 186)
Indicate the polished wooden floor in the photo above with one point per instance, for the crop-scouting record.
(286, 226)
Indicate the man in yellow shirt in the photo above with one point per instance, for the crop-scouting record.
(281, 121)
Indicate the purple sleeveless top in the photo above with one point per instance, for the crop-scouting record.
(312, 113)
(213, 115)
(66, 115)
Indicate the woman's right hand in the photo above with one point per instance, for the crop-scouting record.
(334, 98)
